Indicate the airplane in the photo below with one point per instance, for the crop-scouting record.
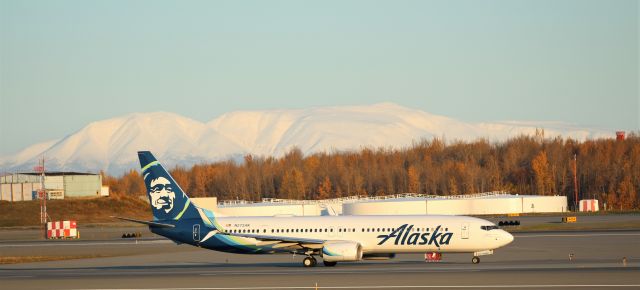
(333, 238)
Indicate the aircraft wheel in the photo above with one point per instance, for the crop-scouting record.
(309, 262)
(329, 264)
(315, 262)
(475, 260)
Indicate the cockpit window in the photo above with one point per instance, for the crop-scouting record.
(488, 228)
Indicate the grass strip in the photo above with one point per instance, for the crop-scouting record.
(576, 226)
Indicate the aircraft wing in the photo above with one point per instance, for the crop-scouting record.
(277, 239)
(282, 242)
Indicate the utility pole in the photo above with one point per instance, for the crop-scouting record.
(575, 181)
(42, 195)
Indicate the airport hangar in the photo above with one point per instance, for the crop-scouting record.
(489, 203)
(59, 185)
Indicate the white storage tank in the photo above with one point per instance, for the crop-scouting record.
(543, 204)
(481, 205)
(269, 209)
(403, 204)
(386, 207)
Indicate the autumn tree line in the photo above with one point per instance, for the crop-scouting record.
(607, 170)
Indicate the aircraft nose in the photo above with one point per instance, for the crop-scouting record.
(508, 237)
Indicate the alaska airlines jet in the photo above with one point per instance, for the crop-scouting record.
(334, 238)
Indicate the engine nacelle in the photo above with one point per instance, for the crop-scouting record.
(341, 251)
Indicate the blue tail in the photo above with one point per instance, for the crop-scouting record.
(168, 201)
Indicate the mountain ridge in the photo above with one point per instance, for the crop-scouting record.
(111, 144)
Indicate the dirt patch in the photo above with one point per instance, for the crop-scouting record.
(84, 211)
(32, 259)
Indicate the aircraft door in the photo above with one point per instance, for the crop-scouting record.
(196, 233)
(465, 231)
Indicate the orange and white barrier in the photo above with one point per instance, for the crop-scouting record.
(62, 230)
(589, 205)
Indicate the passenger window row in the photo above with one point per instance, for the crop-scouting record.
(256, 231)
(330, 230)
(377, 230)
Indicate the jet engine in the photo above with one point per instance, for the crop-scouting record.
(337, 251)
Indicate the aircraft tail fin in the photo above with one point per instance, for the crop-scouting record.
(168, 201)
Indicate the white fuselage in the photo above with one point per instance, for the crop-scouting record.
(377, 234)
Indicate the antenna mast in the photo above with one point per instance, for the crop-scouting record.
(42, 195)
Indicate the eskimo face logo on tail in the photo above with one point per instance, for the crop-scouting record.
(165, 196)
(162, 195)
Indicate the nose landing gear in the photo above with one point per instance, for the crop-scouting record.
(476, 259)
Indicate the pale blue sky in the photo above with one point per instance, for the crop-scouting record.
(64, 64)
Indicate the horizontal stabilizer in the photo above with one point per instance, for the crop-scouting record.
(151, 224)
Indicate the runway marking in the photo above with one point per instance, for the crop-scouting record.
(399, 270)
(354, 269)
(318, 272)
(331, 272)
(573, 235)
(264, 272)
(386, 287)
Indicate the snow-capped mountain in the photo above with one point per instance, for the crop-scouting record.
(111, 145)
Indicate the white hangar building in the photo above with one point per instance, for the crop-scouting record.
(401, 204)
(480, 204)
(59, 185)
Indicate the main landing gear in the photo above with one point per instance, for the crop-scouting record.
(309, 261)
(329, 264)
(475, 260)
